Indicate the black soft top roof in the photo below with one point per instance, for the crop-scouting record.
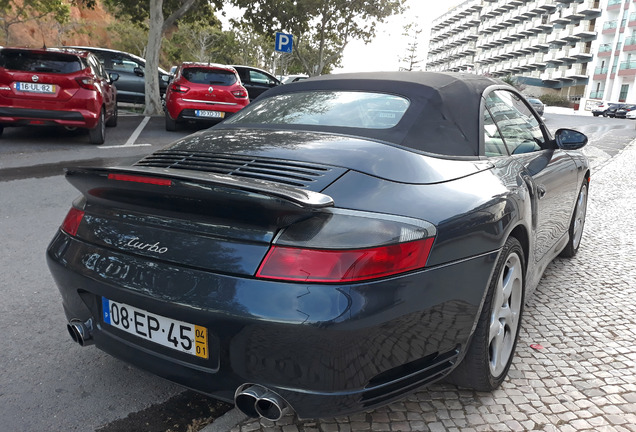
(443, 116)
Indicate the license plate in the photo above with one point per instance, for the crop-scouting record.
(35, 87)
(178, 335)
(211, 114)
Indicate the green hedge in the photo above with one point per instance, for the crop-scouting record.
(555, 100)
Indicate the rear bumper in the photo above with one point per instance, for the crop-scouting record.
(29, 116)
(326, 349)
(185, 111)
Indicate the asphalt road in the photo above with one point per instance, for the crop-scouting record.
(48, 383)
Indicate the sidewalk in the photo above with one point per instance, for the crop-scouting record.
(583, 315)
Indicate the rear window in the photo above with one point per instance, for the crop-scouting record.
(25, 61)
(327, 108)
(209, 76)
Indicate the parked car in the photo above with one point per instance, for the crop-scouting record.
(623, 110)
(131, 86)
(287, 79)
(256, 81)
(329, 248)
(203, 92)
(631, 115)
(599, 109)
(612, 108)
(60, 87)
(537, 105)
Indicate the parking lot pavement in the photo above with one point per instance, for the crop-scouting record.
(581, 377)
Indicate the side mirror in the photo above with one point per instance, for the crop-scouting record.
(569, 139)
(138, 71)
(166, 78)
(114, 76)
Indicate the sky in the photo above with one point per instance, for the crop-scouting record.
(389, 45)
(385, 51)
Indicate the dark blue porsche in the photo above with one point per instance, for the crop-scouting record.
(334, 246)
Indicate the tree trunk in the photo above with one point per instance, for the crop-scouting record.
(153, 97)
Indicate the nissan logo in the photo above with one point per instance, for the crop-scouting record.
(35, 78)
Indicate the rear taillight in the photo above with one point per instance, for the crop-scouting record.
(179, 88)
(87, 82)
(140, 179)
(241, 94)
(72, 221)
(348, 246)
(311, 265)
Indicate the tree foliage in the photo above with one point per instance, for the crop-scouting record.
(411, 59)
(14, 12)
(321, 28)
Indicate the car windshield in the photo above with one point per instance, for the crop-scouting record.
(327, 108)
(209, 76)
(26, 61)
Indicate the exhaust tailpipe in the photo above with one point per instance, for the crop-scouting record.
(271, 406)
(257, 401)
(81, 332)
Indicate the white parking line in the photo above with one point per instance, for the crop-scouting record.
(133, 137)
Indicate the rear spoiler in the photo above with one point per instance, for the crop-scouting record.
(190, 183)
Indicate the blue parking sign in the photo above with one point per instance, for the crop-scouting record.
(284, 42)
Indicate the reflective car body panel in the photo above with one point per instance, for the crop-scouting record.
(53, 87)
(131, 69)
(204, 92)
(187, 232)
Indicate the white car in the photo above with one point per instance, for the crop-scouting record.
(631, 115)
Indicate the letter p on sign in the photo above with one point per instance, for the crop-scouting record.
(284, 42)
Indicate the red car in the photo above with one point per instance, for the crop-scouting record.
(203, 92)
(64, 87)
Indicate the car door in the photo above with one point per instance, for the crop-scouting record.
(105, 85)
(131, 82)
(550, 173)
(256, 82)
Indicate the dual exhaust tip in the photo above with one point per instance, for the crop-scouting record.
(256, 401)
(81, 332)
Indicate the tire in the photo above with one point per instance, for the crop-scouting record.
(1, 130)
(576, 224)
(98, 133)
(112, 122)
(595, 114)
(171, 125)
(493, 344)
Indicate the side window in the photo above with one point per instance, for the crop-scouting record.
(125, 64)
(493, 142)
(259, 78)
(519, 128)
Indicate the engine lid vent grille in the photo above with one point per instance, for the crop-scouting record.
(305, 175)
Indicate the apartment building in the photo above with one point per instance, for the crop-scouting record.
(584, 49)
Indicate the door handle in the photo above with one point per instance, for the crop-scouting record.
(541, 191)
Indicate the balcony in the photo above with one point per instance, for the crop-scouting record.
(630, 44)
(576, 71)
(590, 8)
(610, 27)
(627, 68)
(597, 94)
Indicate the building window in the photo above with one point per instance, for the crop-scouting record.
(623, 96)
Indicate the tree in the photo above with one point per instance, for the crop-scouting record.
(413, 31)
(14, 12)
(321, 28)
(160, 16)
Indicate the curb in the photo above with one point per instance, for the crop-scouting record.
(226, 422)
